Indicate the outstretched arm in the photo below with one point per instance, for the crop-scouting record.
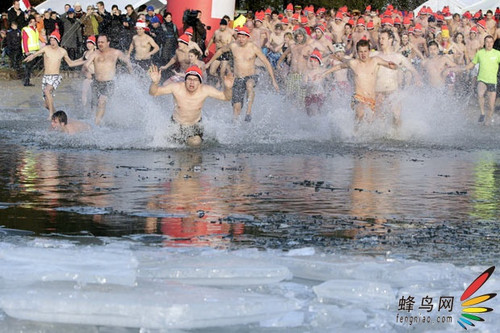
(217, 54)
(154, 88)
(34, 55)
(170, 63)
(388, 64)
(335, 68)
(126, 60)
(72, 63)
(283, 56)
(225, 95)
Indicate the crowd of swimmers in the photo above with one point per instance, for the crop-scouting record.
(309, 54)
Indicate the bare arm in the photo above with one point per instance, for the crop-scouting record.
(72, 63)
(336, 68)
(388, 64)
(131, 48)
(217, 54)
(283, 56)
(170, 63)
(126, 60)
(154, 88)
(212, 40)
(155, 46)
(34, 55)
(89, 61)
(225, 95)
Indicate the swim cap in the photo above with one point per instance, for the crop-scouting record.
(56, 36)
(244, 31)
(91, 39)
(141, 24)
(183, 39)
(196, 71)
(338, 47)
(317, 55)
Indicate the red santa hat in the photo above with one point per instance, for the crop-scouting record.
(141, 24)
(244, 31)
(317, 55)
(196, 71)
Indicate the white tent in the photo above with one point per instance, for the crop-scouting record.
(484, 5)
(460, 6)
(456, 6)
(58, 5)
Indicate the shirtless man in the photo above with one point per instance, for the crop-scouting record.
(491, 24)
(365, 70)
(222, 37)
(60, 122)
(360, 32)
(321, 42)
(144, 45)
(274, 45)
(436, 66)
(387, 86)
(181, 55)
(337, 28)
(189, 97)
(418, 40)
(104, 61)
(52, 57)
(298, 64)
(244, 55)
(313, 83)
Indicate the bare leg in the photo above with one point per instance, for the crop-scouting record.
(223, 70)
(236, 111)
(492, 95)
(101, 108)
(49, 100)
(396, 114)
(85, 90)
(481, 89)
(251, 97)
(194, 141)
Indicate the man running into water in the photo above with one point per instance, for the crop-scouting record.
(488, 60)
(365, 70)
(104, 60)
(144, 45)
(189, 97)
(244, 54)
(387, 87)
(52, 57)
(60, 122)
(222, 37)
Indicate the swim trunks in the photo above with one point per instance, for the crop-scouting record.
(240, 88)
(53, 80)
(104, 88)
(316, 100)
(490, 87)
(185, 132)
(357, 99)
(294, 87)
(226, 56)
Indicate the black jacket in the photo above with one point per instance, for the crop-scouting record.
(12, 41)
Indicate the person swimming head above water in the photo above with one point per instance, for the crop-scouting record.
(59, 122)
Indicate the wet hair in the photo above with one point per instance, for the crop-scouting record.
(300, 31)
(433, 42)
(61, 116)
(195, 52)
(362, 43)
(389, 33)
(103, 35)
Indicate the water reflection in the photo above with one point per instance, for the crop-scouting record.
(189, 195)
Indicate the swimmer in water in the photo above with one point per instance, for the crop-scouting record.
(189, 97)
(60, 122)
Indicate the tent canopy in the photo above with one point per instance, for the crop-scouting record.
(58, 5)
(460, 6)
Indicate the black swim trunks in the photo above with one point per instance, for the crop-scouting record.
(186, 132)
(226, 56)
(104, 88)
(490, 87)
(240, 88)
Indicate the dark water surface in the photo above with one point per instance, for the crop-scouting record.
(420, 202)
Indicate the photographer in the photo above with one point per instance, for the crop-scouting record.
(192, 19)
(117, 29)
(17, 15)
(90, 23)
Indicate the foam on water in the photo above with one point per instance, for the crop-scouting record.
(136, 120)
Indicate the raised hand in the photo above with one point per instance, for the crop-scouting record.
(154, 74)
